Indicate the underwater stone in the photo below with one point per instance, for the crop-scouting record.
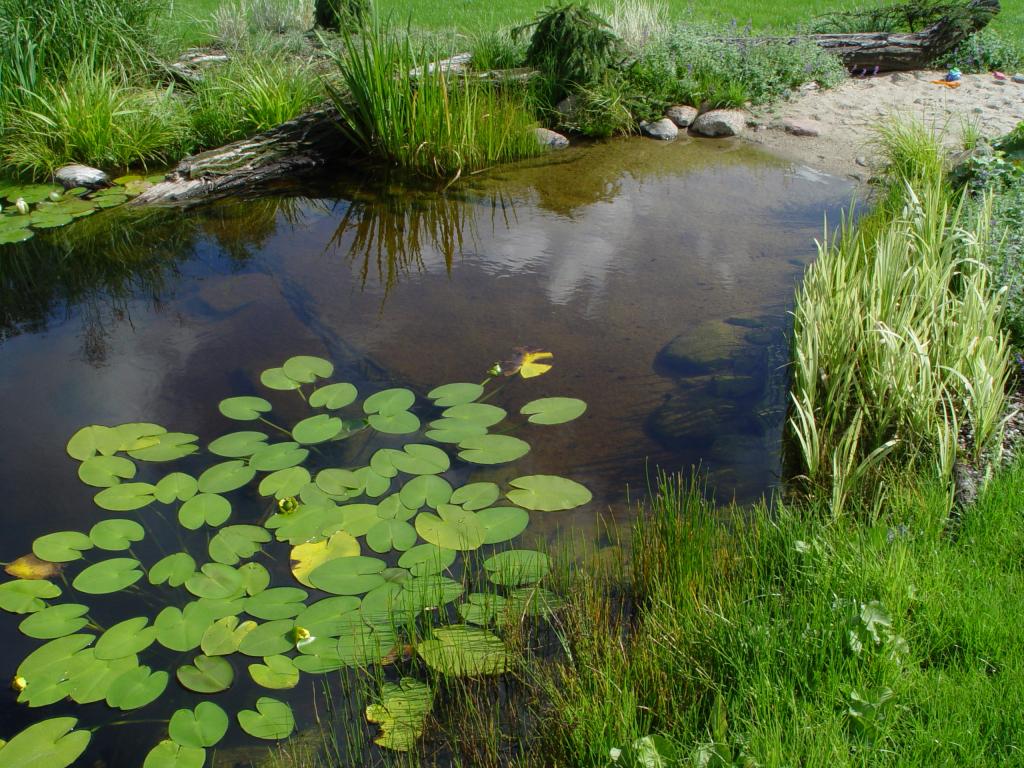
(737, 387)
(708, 348)
(71, 176)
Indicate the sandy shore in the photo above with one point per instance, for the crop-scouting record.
(847, 116)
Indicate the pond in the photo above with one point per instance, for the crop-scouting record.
(659, 276)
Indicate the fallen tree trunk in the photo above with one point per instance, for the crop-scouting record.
(898, 51)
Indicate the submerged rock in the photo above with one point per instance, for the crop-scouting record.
(550, 139)
(737, 387)
(708, 348)
(663, 129)
(720, 122)
(71, 176)
(681, 115)
(689, 420)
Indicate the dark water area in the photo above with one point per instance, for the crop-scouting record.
(659, 275)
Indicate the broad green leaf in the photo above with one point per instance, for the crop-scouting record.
(255, 578)
(516, 567)
(306, 369)
(206, 674)
(428, 592)
(357, 519)
(125, 497)
(169, 446)
(392, 508)
(167, 754)
(53, 660)
(305, 524)
(455, 394)
(116, 535)
(50, 744)
(476, 496)
(271, 720)
(483, 608)
(126, 638)
(547, 493)
(333, 396)
(238, 445)
(284, 483)
(389, 402)
(553, 410)
(426, 490)
(276, 603)
(373, 485)
(219, 607)
(172, 569)
(338, 482)
(330, 617)
(203, 726)
(502, 523)
(348, 575)
(316, 429)
(176, 486)
(481, 414)
(137, 435)
(88, 441)
(401, 423)
(276, 673)
(108, 576)
(244, 408)
(61, 547)
(427, 559)
(305, 558)
(401, 713)
(135, 688)
(269, 639)
(55, 621)
(26, 596)
(209, 508)
(30, 193)
(464, 650)
(493, 449)
(10, 235)
(532, 601)
(91, 678)
(105, 471)
(451, 528)
(182, 630)
(454, 430)
(216, 581)
(387, 535)
(360, 646)
(417, 459)
(276, 378)
(382, 462)
(225, 477)
(278, 456)
(237, 542)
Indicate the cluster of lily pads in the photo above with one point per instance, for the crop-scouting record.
(381, 556)
(27, 208)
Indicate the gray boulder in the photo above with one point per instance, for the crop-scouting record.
(720, 122)
(71, 176)
(803, 127)
(681, 115)
(550, 139)
(663, 129)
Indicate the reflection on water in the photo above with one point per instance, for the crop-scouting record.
(659, 275)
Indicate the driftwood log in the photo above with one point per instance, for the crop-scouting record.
(313, 140)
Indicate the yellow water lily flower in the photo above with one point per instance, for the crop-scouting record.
(526, 365)
(18, 684)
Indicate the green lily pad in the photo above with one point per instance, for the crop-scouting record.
(476, 496)
(209, 508)
(305, 524)
(532, 601)
(284, 483)
(417, 459)
(26, 596)
(31, 193)
(401, 714)
(392, 508)
(348, 575)
(269, 639)
(44, 220)
(553, 410)
(93, 439)
(451, 528)
(167, 754)
(226, 477)
(455, 394)
(316, 429)
(176, 486)
(236, 542)
(517, 567)
(428, 592)
(125, 497)
(55, 621)
(223, 636)
(464, 650)
(547, 493)
(454, 430)
(373, 485)
(53, 660)
(272, 719)
(105, 471)
(356, 519)
(255, 578)
(137, 435)
(338, 482)
(215, 581)
(306, 369)
(244, 408)
(9, 236)
(61, 547)
(387, 535)
(108, 576)
(389, 402)
(483, 608)
(52, 743)
(116, 534)
(238, 445)
(502, 523)
(135, 688)
(334, 396)
(382, 462)
(277, 603)
(125, 638)
(428, 490)
(401, 423)
(493, 449)
(276, 673)
(481, 414)
(169, 446)
(331, 616)
(90, 678)
(203, 726)
(360, 645)
(207, 674)
(182, 629)
(276, 378)
(110, 201)
(278, 456)
(173, 569)
(427, 559)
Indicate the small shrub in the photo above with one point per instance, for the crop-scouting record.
(986, 51)
(1007, 260)
(600, 110)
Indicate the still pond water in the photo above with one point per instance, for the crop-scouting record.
(660, 276)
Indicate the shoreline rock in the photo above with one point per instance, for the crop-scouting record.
(720, 123)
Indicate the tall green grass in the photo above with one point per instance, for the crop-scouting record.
(433, 122)
(897, 342)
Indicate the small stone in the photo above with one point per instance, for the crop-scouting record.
(811, 86)
(803, 127)
(550, 139)
(681, 115)
(71, 176)
(720, 122)
(1018, 78)
(663, 129)
(862, 162)
(897, 77)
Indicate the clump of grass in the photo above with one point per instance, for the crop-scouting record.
(637, 22)
(236, 23)
(397, 109)
(496, 49)
(600, 110)
(94, 116)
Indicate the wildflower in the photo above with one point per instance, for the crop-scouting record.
(525, 363)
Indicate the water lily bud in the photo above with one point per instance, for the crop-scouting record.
(288, 505)
(21, 205)
(494, 370)
(18, 684)
(55, 196)
(301, 637)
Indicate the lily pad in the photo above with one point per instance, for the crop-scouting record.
(334, 396)
(306, 558)
(207, 674)
(278, 456)
(203, 726)
(389, 402)
(428, 490)
(173, 569)
(245, 408)
(210, 508)
(481, 414)
(236, 542)
(517, 567)
(225, 477)
(382, 462)
(502, 523)
(216, 581)
(427, 559)
(331, 616)
(116, 534)
(451, 528)
(167, 754)
(387, 535)
(417, 459)
(401, 713)
(547, 493)
(454, 430)
(483, 608)
(90, 678)
(401, 423)
(455, 394)
(93, 439)
(45, 220)
(31, 567)
(493, 449)
(306, 369)
(348, 575)
(182, 629)
(26, 596)
(11, 235)
(357, 519)
(31, 193)
(125, 638)
(276, 673)
(108, 576)
(269, 639)
(52, 743)
(464, 650)
(316, 429)
(284, 483)
(338, 482)
(255, 578)
(61, 547)
(125, 497)
(276, 378)
(105, 471)
(553, 410)
(277, 603)
(169, 446)
(476, 496)
(55, 621)
(176, 486)
(135, 688)
(272, 719)
(238, 445)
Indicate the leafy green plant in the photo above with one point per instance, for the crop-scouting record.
(331, 495)
(986, 51)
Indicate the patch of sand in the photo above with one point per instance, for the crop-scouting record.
(850, 113)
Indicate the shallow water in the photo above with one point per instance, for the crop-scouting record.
(603, 255)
